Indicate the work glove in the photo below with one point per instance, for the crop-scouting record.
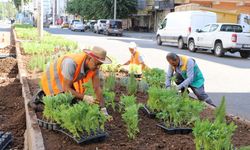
(105, 112)
(89, 99)
(119, 65)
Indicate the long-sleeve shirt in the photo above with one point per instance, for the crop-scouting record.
(190, 74)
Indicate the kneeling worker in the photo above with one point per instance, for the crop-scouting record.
(187, 74)
(69, 72)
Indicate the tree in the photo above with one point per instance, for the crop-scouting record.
(7, 9)
(73, 6)
(101, 9)
(19, 2)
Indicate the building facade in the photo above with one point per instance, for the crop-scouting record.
(150, 14)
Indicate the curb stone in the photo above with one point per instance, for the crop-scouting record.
(33, 135)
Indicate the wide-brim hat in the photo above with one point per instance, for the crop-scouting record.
(98, 54)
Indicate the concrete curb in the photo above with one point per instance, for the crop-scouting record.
(33, 136)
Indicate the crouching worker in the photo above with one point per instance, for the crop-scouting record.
(69, 72)
(136, 60)
(187, 74)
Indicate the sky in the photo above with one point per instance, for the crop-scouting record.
(4, 0)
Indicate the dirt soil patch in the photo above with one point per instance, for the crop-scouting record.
(12, 111)
(150, 137)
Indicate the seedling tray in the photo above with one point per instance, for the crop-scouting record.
(148, 112)
(175, 130)
(5, 139)
(100, 135)
(2, 56)
(47, 125)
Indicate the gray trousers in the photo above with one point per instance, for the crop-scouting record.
(199, 92)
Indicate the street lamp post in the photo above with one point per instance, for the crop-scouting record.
(40, 20)
(53, 11)
(114, 9)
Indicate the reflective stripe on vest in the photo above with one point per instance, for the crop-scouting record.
(198, 79)
(52, 78)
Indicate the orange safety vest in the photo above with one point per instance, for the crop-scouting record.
(135, 58)
(52, 78)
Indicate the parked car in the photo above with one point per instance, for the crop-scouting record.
(90, 25)
(176, 26)
(113, 27)
(221, 38)
(100, 25)
(72, 22)
(78, 26)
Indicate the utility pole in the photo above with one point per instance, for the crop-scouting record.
(40, 19)
(53, 9)
(114, 9)
(22, 6)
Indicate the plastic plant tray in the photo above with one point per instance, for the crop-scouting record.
(2, 56)
(5, 139)
(175, 130)
(47, 125)
(148, 112)
(84, 138)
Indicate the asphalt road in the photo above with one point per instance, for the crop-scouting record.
(228, 76)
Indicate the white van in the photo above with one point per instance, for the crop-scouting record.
(176, 26)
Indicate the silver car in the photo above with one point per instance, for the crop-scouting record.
(113, 27)
(78, 26)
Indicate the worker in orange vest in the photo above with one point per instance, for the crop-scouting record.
(69, 72)
(136, 57)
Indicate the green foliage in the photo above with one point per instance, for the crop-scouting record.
(60, 43)
(220, 111)
(110, 82)
(101, 9)
(37, 48)
(130, 117)
(79, 118)
(214, 135)
(113, 67)
(154, 77)
(52, 103)
(38, 62)
(89, 90)
(157, 96)
(26, 32)
(7, 10)
(135, 69)
(82, 117)
(173, 109)
(131, 85)
(109, 99)
(130, 114)
(127, 101)
(18, 3)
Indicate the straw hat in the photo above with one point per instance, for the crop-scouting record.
(99, 54)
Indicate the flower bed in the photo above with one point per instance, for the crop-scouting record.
(149, 135)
